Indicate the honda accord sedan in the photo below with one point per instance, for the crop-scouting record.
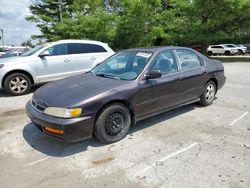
(131, 85)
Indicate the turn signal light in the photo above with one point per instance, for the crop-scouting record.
(52, 130)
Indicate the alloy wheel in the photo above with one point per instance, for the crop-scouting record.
(18, 84)
(210, 93)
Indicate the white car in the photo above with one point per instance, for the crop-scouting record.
(222, 49)
(51, 62)
(241, 49)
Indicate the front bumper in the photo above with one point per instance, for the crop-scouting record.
(75, 129)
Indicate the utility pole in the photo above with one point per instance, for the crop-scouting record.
(59, 3)
(2, 38)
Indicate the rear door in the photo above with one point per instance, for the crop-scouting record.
(194, 74)
(54, 66)
(85, 56)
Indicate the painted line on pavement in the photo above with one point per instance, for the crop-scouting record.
(37, 161)
(238, 119)
(167, 157)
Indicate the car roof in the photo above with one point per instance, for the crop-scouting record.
(79, 41)
(155, 48)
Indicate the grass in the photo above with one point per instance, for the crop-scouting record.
(232, 58)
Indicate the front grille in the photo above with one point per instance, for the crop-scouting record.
(37, 106)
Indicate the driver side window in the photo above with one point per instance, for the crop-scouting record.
(165, 63)
(59, 49)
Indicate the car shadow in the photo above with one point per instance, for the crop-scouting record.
(3, 93)
(52, 147)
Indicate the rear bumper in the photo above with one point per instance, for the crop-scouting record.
(221, 82)
(1, 77)
(75, 129)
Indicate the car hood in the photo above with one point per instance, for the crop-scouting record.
(72, 91)
(19, 59)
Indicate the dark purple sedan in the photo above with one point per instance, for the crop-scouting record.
(132, 85)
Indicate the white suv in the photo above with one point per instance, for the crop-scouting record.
(51, 62)
(222, 49)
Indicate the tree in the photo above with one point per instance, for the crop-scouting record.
(133, 23)
(206, 22)
(48, 13)
(27, 43)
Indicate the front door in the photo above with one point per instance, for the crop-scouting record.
(162, 93)
(54, 66)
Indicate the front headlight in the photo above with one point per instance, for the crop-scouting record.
(63, 112)
(1, 66)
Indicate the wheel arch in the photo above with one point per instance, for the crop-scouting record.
(215, 82)
(121, 101)
(18, 71)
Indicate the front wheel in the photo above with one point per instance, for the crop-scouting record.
(17, 84)
(113, 123)
(228, 53)
(240, 52)
(208, 94)
(210, 53)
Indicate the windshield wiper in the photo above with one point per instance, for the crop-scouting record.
(108, 76)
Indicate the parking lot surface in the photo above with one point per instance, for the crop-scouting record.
(191, 146)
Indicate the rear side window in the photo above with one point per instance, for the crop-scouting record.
(188, 60)
(78, 48)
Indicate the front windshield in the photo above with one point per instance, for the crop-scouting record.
(123, 65)
(32, 51)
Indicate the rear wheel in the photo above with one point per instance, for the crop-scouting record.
(208, 94)
(113, 123)
(17, 84)
(240, 52)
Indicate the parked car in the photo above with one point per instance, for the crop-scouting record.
(248, 48)
(241, 49)
(2, 53)
(197, 48)
(130, 86)
(50, 62)
(11, 54)
(222, 49)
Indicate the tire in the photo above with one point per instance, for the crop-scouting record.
(228, 53)
(208, 94)
(113, 123)
(17, 84)
(210, 53)
(240, 52)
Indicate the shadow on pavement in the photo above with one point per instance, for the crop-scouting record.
(49, 146)
(3, 93)
(162, 117)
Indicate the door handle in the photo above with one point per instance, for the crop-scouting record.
(66, 60)
(204, 72)
(93, 58)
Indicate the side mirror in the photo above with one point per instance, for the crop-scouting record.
(152, 75)
(44, 53)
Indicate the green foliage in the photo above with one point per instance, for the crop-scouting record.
(27, 43)
(133, 23)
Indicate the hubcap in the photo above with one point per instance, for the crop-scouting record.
(115, 124)
(18, 84)
(210, 93)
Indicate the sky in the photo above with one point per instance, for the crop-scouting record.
(12, 21)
